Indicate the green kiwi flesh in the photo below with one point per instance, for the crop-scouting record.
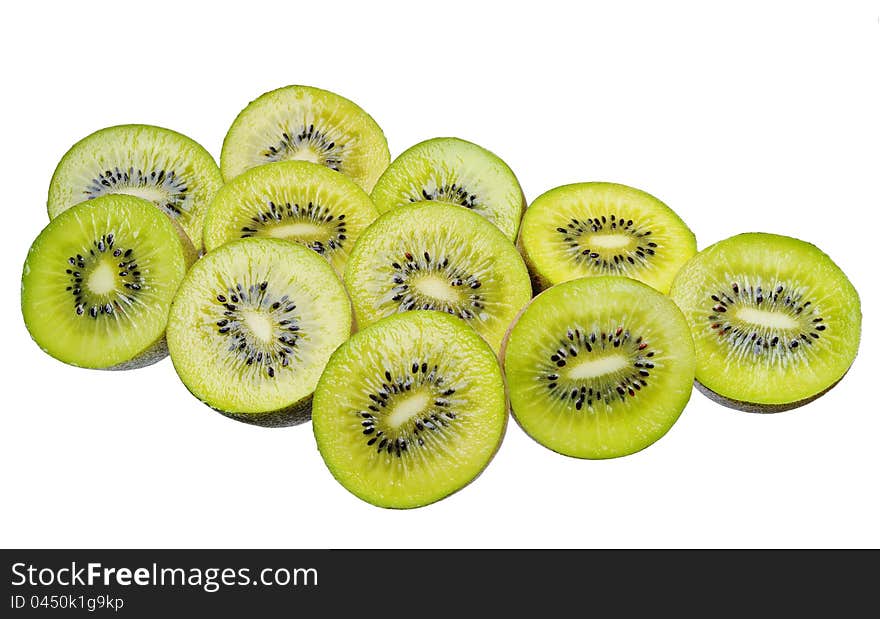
(775, 321)
(410, 410)
(98, 281)
(169, 169)
(252, 327)
(438, 256)
(599, 367)
(299, 201)
(306, 124)
(456, 171)
(590, 229)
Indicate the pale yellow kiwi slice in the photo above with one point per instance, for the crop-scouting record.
(169, 169)
(252, 327)
(306, 124)
(455, 171)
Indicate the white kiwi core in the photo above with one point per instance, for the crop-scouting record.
(594, 368)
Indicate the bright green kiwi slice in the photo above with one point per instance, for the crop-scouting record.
(599, 367)
(456, 171)
(589, 229)
(98, 282)
(166, 168)
(307, 124)
(252, 327)
(294, 200)
(775, 322)
(438, 256)
(410, 409)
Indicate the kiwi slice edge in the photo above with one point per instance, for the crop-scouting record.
(410, 410)
(453, 170)
(306, 123)
(438, 256)
(98, 282)
(163, 166)
(601, 228)
(776, 323)
(252, 327)
(598, 367)
(300, 201)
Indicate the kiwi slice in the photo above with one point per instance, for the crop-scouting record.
(599, 367)
(98, 282)
(775, 322)
(307, 124)
(456, 171)
(294, 200)
(438, 256)
(410, 409)
(588, 229)
(252, 327)
(163, 166)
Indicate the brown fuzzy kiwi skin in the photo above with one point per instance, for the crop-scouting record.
(522, 212)
(539, 282)
(754, 407)
(155, 353)
(501, 356)
(297, 414)
(191, 253)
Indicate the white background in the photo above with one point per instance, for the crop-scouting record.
(754, 116)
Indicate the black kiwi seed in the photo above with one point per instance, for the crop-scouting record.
(118, 181)
(313, 213)
(455, 193)
(584, 392)
(406, 272)
(607, 262)
(439, 416)
(307, 137)
(757, 340)
(244, 347)
(88, 304)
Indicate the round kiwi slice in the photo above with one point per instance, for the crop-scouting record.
(599, 367)
(588, 229)
(456, 171)
(775, 322)
(163, 166)
(98, 282)
(252, 327)
(410, 410)
(307, 124)
(438, 256)
(294, 200)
